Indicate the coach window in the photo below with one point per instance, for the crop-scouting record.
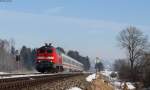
(64, 59)
(73, 62)
(76, 64)
(69, 61)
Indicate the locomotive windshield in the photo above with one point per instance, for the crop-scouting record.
(45, 50)
(41, 51)
(49, 51)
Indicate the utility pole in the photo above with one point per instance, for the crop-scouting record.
(97, 61)
(17, 60)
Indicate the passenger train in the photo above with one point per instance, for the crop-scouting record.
(50, 59)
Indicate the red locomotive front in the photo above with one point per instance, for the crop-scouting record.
(49, 59)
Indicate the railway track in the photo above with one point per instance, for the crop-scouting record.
(25, 82)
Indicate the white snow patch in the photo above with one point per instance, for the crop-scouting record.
(119, 84)
(74, 88)
(106, 73)
(130, 86)
(91, 77)
(19, 76)
(3, 73)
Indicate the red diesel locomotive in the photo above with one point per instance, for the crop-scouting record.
(49, 59)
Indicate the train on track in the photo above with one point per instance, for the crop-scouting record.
(50, 59)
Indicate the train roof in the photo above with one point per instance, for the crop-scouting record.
(46, 46)
(72, 59)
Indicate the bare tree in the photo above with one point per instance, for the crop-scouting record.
(133, 40)
(7, 62)
(12, 46)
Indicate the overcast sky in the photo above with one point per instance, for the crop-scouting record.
(88, 26)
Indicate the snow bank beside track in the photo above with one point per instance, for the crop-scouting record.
(91, 77)
(74, 88)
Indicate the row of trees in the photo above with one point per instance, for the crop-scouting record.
(7, 59)
(136, 66)
(84, 60)
(27, 57)
(8, 62)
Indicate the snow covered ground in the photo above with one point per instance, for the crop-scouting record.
(1, 73)
(118, 84)
(91, 77)
(74, 88)
(130, 86)
(19, 76)
(4, 75)
(106, 73)
(114, 81)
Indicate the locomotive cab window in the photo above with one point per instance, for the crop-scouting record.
(41, 51)
(49, 51)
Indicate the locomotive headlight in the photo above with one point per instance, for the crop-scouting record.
(50, 57)
(38, 61)
(40, 57)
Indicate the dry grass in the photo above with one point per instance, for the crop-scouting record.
(100, 84)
